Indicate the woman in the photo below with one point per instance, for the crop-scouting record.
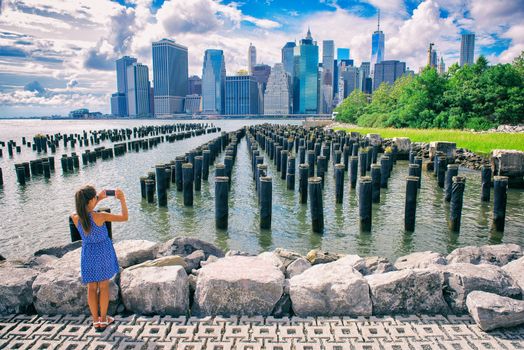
(98, 261)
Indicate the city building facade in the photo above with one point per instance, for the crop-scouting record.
(251, 58)
(467, 49)
(138, 88)
(388, 72)
(308, 75)
(121, 82)
(327, 77)
(119, 104)
(193, 104)
(170, 76)
(195, 85)
(213, 82)
(242, 95)
(278, 93)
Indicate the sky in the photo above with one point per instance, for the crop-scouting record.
(56, 56)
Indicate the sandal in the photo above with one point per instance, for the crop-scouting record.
(96, 325)
(109, 320)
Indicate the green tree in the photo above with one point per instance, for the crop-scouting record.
(352, 107)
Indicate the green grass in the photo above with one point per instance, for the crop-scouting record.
(480, 143)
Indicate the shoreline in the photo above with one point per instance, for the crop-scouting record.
(186, 276)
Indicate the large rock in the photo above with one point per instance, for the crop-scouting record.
(491, 311)
(41, 263)
(499, 254)
(297, 267)
(15, 289)
(273, 259)
(155, 290)
(135, 251)
(374, 139)
(516, 270)
(194, 259)
(184, 246)
(376, 264)
(238, 285)
(403, 145)
(407, 292)
(59, 250)
(461, 279)
(286, 256)
(331, 289)
(448, 148)
(317, 256)
(420, 260)
(60, 290)
(507, 163)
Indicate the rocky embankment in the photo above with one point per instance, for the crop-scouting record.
(188, 276)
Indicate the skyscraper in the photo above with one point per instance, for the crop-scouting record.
(287, 57)
(261, 73)
(170, 76)
(119, 104)
(467, 49)
(377, 45)
(308, 75)
(441, 66)
(328, 68)
(388, 72)
(121, 81)
(251, 58)
(213, 82)
(195, 85)
(343, 53)
(432, 56)
(278, 94)
(138, 88)
(241, 95)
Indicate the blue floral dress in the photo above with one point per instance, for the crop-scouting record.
(98, 261)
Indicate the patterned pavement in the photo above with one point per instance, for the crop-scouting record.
(252, 333)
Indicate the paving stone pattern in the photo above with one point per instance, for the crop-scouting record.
(252, 333)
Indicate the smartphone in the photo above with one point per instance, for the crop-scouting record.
(110, 193)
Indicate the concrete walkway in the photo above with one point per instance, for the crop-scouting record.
(219, 333)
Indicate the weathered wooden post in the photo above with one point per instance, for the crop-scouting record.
(375, 183)
(178, 173)
(452, 172)
(290, 179)
(283, 164)
(364, 203)
(457, 193)
(353, 170)
(265, 201)
(315, 204)
(363, 160)
(160, 176)
(500, 187)
(339, 183)
(150, 190)
(311, 162)
(303, 173)
(143, 187)
(206, 157)
(188, 178)
(410, 210)
(384, 171)
(221, 204)
(198, 172)
(486, 183)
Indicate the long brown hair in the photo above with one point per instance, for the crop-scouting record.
(82, 198)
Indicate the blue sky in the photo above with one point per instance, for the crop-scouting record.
(69, 48)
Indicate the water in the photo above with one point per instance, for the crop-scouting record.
(35, 216)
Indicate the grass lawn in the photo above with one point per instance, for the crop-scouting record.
(480, 143)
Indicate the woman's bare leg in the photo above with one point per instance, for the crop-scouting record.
(92, 299)
(104, 298)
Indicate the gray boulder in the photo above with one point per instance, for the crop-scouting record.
(60, 290)
(461, 279)
(491, 311)
(286, 256)
(448, 148)
(135, 251)
(238, 285)
(273, 259)
(193, 260)
(376, 264)
(15, 289)
(420, 260)
(297, 267)
(374, 139)
(330, 289)
(507, 163)
(403, 144)
(516, 270)
(184, 246)
(59, 250)
(155, 290)
(238, 252)
(41, 263)
(407, 292)
(499, 254)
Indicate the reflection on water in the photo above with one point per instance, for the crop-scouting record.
(35, 216)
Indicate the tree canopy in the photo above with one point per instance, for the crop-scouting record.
(477, 96)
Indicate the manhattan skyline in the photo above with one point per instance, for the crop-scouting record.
(69, 49)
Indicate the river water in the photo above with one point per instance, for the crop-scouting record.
(35, 216)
